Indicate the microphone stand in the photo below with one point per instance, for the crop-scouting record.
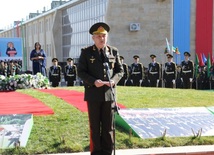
(116, 107)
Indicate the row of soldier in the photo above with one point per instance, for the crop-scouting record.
(168, 75)
(10, 68)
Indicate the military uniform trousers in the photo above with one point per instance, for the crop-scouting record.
(168, 81)
(101, 124)
(186, 82)
(55, 80)
(70, 80)
(136, 79)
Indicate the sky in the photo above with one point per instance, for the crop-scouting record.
(13, 10)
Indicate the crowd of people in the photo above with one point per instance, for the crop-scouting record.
(169, 75)
(10, 67)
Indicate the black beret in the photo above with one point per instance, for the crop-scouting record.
(99, 28)
(136, 56)
(69, 59)
(187, 54)
(152, 56)
(121, 57)
(169, 55)
(54, 59)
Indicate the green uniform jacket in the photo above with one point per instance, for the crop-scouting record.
(91, 67)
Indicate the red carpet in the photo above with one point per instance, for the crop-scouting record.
(72, 97)
(18, 103)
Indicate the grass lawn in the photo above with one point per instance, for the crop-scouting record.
(67, 130)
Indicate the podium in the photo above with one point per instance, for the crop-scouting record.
(11, 53)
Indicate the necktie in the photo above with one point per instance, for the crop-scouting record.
(102, 55)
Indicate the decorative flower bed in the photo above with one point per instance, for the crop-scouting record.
(23, 81)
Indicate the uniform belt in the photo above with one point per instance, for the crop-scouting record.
(135, 72)
(153, 72)
(188, 71)
(55, 74)
(70, 74)
(170, 72)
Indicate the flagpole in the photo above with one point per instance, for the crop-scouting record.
(172, 26)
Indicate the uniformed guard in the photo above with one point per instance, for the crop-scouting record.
(70, 72)
(187, 71)
(55, 73)
(170, 71)
(154, 72)
(179, 80)
(137, 71)
(201, 79)
(124, 79)
(100, 69)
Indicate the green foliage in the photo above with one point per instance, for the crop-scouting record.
(67, 129)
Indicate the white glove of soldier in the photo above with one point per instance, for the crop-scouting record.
(173, 81)
(157, 80)
(182, 79)
(190, 79)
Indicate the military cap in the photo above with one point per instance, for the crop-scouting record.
(152, 56)
(99, 28)
(187, 54)
(15, 61)
(54, 59)
(70, 59)
(169, 55)
(136, 56)
(121, 58)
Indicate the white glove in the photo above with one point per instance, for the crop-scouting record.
(149, 81)
(190, 79)
(182, 79)
(141, 81)
(75, 82)
(173, 81)
(157, 80)
(131, 81)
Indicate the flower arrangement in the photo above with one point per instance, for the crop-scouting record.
(23, 81)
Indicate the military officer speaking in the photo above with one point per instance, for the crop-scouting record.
(187, 71)
(70, 72)
(55, 73)
(169, 74)
(100, 69)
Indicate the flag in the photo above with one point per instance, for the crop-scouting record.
(177, 50)
(167, 46)
(201, 61)
(204, 58)
(196, 65)
(208, 65)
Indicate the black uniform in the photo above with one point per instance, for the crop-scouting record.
(179, 82)
(154, 73)
(169, 74)
(125, 75)
(55, 75)
(137, 73)
(70, 73)
(187, 73)
(91, 67)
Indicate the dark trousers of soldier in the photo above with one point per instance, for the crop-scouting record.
(153, 83)
(55, 84)
(186, 82)
(136, 80)
(101, 127)
(168, 84)
(70, 83)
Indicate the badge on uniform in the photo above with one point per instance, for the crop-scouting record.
(92, 59)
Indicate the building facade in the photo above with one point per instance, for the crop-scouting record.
(138, 27)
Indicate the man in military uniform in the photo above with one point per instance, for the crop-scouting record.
(126, 72)
(187, 71)
(179, 80)
(100, 69)
(70, 72)
(169, 74)
(154, 72)
(137, 71)
(55, 73)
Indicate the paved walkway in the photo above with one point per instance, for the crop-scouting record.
(181, 150)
